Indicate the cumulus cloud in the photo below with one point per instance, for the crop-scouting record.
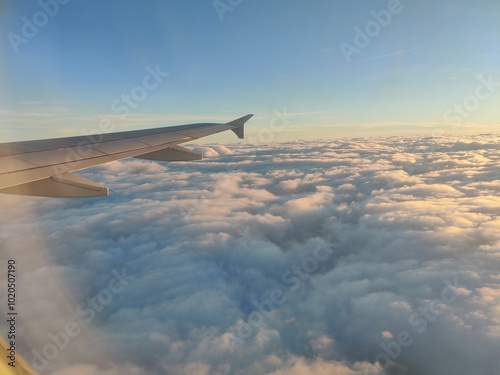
(213, 152)
(364, 256)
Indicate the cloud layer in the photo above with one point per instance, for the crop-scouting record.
(361, 256)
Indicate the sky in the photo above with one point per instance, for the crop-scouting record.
(366, 256)
(342, 68)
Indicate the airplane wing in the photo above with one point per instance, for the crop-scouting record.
(14, 365)
(44, 167)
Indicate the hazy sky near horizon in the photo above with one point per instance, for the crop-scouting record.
(341, 68)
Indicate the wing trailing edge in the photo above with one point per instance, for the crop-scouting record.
(67, 185)
(172, 154)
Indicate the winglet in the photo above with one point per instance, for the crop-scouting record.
(239, 125)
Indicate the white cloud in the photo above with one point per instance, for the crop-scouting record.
(303, 257)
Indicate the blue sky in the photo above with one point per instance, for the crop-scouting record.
(258, 57)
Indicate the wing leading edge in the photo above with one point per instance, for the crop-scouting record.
(44, 168)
